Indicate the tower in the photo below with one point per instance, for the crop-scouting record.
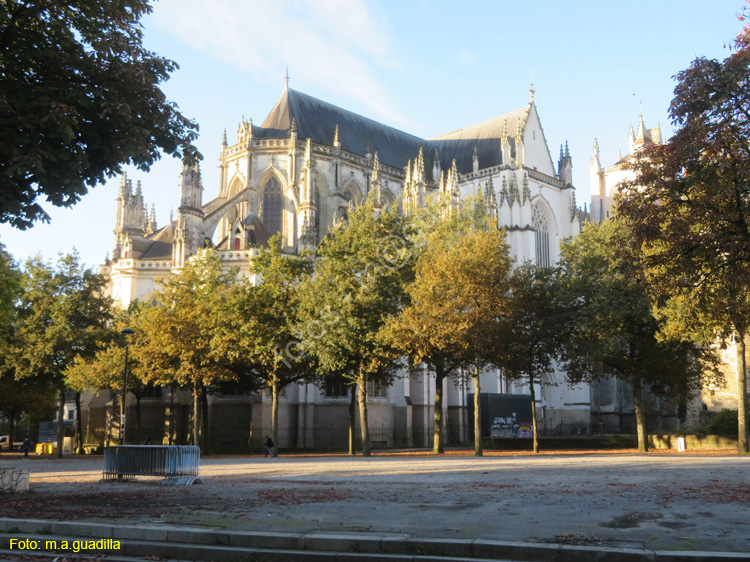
(188, 236)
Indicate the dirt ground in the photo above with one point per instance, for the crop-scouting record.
(658, 500)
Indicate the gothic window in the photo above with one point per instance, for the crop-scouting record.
(541, 227)
(273, 205)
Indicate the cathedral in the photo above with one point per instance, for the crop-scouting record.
(297, 174)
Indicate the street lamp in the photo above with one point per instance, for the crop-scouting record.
(124, 332)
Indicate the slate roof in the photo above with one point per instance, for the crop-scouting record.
(485, 136)
(317, 120)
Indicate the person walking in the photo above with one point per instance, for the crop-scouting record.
(25, 446)
(269, 447)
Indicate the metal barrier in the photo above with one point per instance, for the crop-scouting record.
(178, 464)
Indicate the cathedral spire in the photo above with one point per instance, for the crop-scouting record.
(224, 139)
(286, 79)
(336, 141)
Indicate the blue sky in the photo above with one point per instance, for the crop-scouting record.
(426, 67)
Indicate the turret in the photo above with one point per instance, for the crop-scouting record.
(595, 172)
(376, 187)
(307, 234)
(131, 214)
(565, 165)
(505, 144)
(189, 232)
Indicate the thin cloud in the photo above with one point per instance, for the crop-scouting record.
(333, 45)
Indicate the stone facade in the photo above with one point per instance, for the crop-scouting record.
(298, 173)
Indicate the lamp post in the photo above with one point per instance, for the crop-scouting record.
(124, 332)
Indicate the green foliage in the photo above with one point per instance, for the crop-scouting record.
(62, 316)
(255, 328)
(612, 329)
(80, 97)
(723, 423)
(104, 370)
(358, 284)
(175, 344)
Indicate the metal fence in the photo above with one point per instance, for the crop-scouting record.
(177, 464)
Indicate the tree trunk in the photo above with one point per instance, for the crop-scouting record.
(438, 447)
(275, 415)
(205, 441)
(12, 432)
(138, 415)
(363, 414)
(352, 420)
(477, 414)
(61, 422)
(534, 435)
(196, 414)
(79, 425)
(742, 442)
(640, 415)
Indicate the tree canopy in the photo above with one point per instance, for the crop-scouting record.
(79, 97)
(358, 284)
(612, 329)
(689, 203)
(62, 315)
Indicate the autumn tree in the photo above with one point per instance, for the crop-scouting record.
(104, 370)
(358, 284)
(258, 321)
(611, 329)
(62, 315)
(81, 96)
(175, 345)
(690, 202)
(460, 267)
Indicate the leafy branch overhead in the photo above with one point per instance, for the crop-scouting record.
(80, 97)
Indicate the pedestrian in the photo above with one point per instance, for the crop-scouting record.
(25, 446)
(269, 447)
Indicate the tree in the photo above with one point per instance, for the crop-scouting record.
(690, 202)
(62, 315)
(440, 324)
(104, 370)
(257, 326)
(611, 328)
(529, 333)
(358, 284)
(175, 344)
(80, 97)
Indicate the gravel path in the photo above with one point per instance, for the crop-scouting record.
(655, 501)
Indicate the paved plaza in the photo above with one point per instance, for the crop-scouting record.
(652, 501)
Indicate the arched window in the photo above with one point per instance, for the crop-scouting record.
(318, 210)
(541, 227)
(273, 205)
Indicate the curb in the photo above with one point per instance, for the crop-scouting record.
(198, 543)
